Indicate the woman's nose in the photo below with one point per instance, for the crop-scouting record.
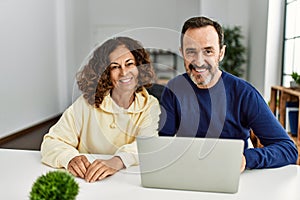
(123, 70)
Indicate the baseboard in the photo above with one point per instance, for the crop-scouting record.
(28, 130)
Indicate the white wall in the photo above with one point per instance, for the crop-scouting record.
(229, 13)
(252, 16)
(265, 44)
(43, 44)
(258, 23)
(28, 78)
(262, 25)
(274, 46)
(155, 23)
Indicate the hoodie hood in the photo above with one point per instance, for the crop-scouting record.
(138, 105)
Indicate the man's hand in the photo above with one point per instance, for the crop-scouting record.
(78, 166)
(101, 169)
(243, 166)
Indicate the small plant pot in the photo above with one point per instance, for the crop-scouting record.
(54, 185)
(293, 84)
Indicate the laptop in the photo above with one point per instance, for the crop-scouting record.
(186, 163)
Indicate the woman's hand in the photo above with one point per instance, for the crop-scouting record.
(78, 166)
(101, 169)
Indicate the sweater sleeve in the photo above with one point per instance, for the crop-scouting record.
(148, 128)
(279, 149)
(168, 119)
(59, 144)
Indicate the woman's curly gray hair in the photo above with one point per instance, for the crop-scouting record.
(94, 78)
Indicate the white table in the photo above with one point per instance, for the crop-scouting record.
(20, 168)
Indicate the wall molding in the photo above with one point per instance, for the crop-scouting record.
(23, 132)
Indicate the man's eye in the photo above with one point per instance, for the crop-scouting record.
(190, 53)
(208, 52)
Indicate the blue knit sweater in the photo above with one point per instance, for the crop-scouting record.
(227, 110)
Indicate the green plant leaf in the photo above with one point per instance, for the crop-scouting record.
(296, 77)
(235, 51)
(54, 185)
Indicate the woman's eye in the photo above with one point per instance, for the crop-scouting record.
(130, 64)
(114, 67)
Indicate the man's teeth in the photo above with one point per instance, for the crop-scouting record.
(200, 69)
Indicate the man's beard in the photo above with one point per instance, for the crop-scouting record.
(207, 79)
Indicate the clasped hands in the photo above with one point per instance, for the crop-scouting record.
(80, 166)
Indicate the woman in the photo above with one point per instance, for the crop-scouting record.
(113, 109)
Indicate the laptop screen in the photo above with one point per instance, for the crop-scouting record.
(201, 164)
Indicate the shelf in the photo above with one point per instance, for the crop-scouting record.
(164, 63)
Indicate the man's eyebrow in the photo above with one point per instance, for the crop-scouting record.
(209, 48)
(190, 48)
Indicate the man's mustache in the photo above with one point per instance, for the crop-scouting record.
(194, 66)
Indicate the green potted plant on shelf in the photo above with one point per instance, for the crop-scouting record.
(235, 51)
(54, 185)
(296, 80)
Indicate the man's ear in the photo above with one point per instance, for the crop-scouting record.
(222, 53)
(180, 50)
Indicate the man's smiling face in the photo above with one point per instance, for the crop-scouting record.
(202, 54)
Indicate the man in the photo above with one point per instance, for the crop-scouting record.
(208, 102)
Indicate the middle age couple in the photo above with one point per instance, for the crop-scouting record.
(115, 107)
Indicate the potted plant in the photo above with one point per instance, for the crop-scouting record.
(296, 80)
(54, 185)
(235, 51)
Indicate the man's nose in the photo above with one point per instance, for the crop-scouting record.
(199, 59)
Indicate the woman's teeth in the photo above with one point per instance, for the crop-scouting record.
(125, 80)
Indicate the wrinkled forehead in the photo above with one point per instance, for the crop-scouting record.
(120, 53)
(201, 38)
(189, 42)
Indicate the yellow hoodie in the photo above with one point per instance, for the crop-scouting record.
(109, 129)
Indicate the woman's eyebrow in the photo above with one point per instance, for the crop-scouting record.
(113, 63)
(129, 59)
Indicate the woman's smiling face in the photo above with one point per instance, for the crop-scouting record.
(123, 70)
